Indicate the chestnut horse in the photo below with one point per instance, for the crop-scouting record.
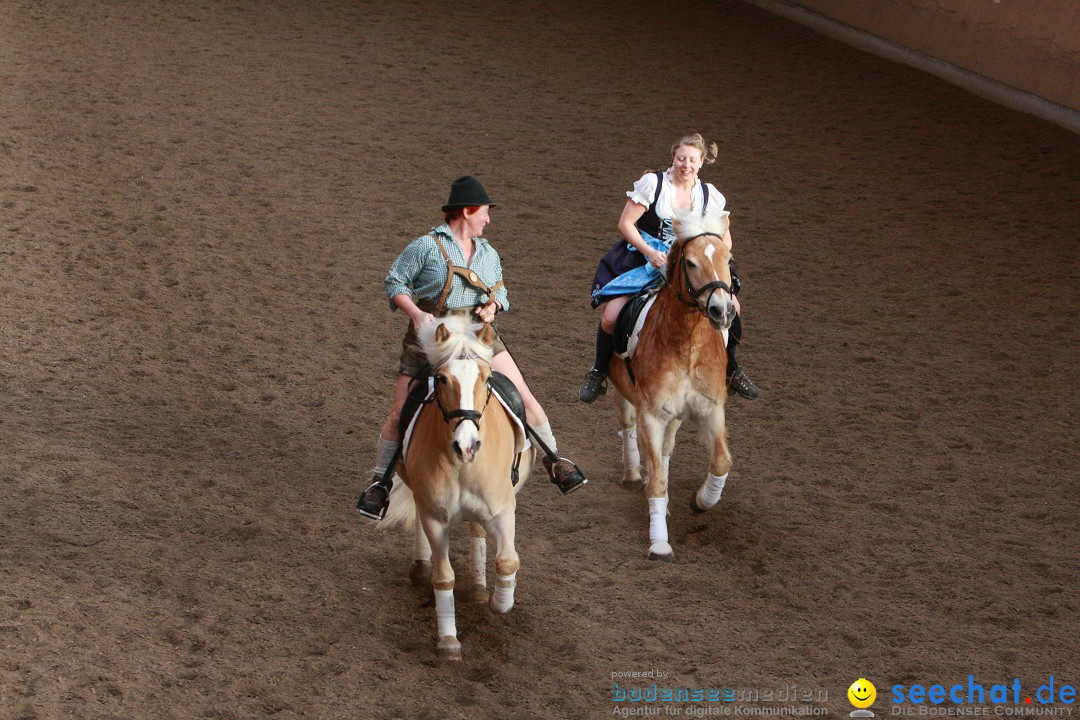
(679, 372)
(457, 467)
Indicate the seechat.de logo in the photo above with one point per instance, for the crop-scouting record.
(862, 694)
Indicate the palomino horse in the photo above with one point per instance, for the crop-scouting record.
(678, 372)
(457, 467)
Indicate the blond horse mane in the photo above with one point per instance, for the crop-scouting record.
(463, 342)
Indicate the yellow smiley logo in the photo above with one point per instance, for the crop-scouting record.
(862, 693)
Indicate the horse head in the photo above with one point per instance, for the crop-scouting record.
(698, 266)
(460, 354)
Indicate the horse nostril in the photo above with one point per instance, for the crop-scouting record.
(457, 448)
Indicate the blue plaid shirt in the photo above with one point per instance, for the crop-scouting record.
(420, 272)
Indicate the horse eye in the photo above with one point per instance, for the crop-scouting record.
(691, 263)
(440, 379)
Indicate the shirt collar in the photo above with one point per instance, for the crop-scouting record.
(670, 172)
(444, 230)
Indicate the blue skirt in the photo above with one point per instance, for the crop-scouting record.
(624, 271)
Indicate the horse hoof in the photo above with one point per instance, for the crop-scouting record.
(661, 551)
(449, 648)
(478, 594)
(694, 505)
(420, 573)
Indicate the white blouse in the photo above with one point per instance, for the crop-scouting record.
(645, 189)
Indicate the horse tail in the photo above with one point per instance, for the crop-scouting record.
(402, 510)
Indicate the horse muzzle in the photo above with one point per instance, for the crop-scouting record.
(466, 443)
(720, 311)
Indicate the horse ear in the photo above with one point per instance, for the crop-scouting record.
(487, 335)
(441, 333)
(725, 222)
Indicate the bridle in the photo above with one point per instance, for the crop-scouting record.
(460, 414)
(710, 288)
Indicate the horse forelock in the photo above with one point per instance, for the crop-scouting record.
(686, 229)
(462, 342)
(713, 223)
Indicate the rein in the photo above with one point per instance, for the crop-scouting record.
(710, 288)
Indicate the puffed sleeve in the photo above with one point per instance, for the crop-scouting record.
(644, 190)
(405, 270)
(717, 201)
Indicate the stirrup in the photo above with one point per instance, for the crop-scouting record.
(374, 508)
(565, 474)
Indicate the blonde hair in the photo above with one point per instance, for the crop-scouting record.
(708, 152)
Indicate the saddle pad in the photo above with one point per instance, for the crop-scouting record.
(521, 440)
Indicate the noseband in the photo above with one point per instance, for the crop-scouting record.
(461, 415)
(710, 288)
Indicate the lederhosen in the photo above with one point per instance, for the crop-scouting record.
(413, 361)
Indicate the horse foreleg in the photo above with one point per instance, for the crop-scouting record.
(501, 527)
(650, 435)
(709, 493)
(669, 444)
(478, 592)
(442, 581)
(631, 455)
(420, 571)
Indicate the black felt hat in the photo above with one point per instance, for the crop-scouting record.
(465, 192)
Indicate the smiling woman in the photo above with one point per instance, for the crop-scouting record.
(633, 264)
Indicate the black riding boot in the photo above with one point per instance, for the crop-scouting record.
(593, 384)
(738, 383)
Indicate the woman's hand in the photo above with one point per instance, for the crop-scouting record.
(486, 312)
(658, 259)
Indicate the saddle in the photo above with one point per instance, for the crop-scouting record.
(422, 392)
(627, 322)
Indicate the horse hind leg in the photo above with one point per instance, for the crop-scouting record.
(669, 445)
(501, 527)
(478, 591)
(442, 581)
(420, 570)
(631, 479)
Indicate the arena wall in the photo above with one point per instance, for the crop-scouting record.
(1030, 45)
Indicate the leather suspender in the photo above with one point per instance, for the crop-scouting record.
(468, 276)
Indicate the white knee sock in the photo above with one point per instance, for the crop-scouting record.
(544, 431)
(384, 455)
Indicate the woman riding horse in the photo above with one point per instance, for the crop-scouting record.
(657, 199)
(453, 270)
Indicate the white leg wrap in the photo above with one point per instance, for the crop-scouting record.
(631, 457)
(478, 561)
(502, 599)
(658, 520)
(709, 494)
(421, 550)
(444, 612)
